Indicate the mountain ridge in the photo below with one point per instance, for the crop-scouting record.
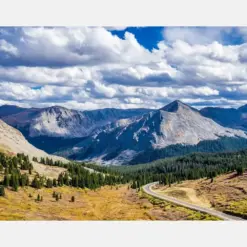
(115, 135)
(56, 121)
(176, 123)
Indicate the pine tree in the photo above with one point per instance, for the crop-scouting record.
(6, 181)
(2, 191)
(54, 182)
(60, 179)
(36, 183)
(240, 170)
(15, 182)
(49, 183)
(66, 179)
(54, 194)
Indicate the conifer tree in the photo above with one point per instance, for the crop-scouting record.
(49, 183)
(15, 182)
(6, 181)
(38, 197)
(240, 170)
(54, 183)
(2, 191)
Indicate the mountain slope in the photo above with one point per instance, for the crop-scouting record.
(176, 123)
(228, 117)
(6, 110)
(11, 140)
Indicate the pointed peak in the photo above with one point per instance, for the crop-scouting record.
(175, 106)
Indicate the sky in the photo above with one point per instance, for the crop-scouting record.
(88, 68)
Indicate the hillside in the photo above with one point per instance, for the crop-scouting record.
(107, 203)
(13, 141)
(225, 193)
(228, 117)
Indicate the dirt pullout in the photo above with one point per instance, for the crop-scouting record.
(187, 194)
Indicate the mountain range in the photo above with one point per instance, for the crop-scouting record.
(115, 136)
(56, 127)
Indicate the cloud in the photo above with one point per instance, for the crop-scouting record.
(62, 46)
(117, 28)
(90, 68)
(8, 48)
(195, 35)
(69, 76)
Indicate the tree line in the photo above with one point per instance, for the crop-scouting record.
(166, 171)
(187, 167)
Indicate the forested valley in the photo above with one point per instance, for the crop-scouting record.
(18, 171)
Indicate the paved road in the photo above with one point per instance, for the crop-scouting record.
(148, 189)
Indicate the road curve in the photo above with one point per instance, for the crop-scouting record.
(148, 189)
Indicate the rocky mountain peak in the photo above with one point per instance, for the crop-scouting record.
(176, 105)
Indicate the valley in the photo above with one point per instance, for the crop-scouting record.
(100, 175)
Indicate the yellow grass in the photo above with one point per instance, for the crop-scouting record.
(227, 193)
(103, 204)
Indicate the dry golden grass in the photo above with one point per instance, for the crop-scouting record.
(103, 204)
(47, 171)
(227, 193)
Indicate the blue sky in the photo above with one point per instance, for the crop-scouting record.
(123, 67)
(146, 36)
(150, 36)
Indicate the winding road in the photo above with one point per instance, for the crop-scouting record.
(148, 189)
